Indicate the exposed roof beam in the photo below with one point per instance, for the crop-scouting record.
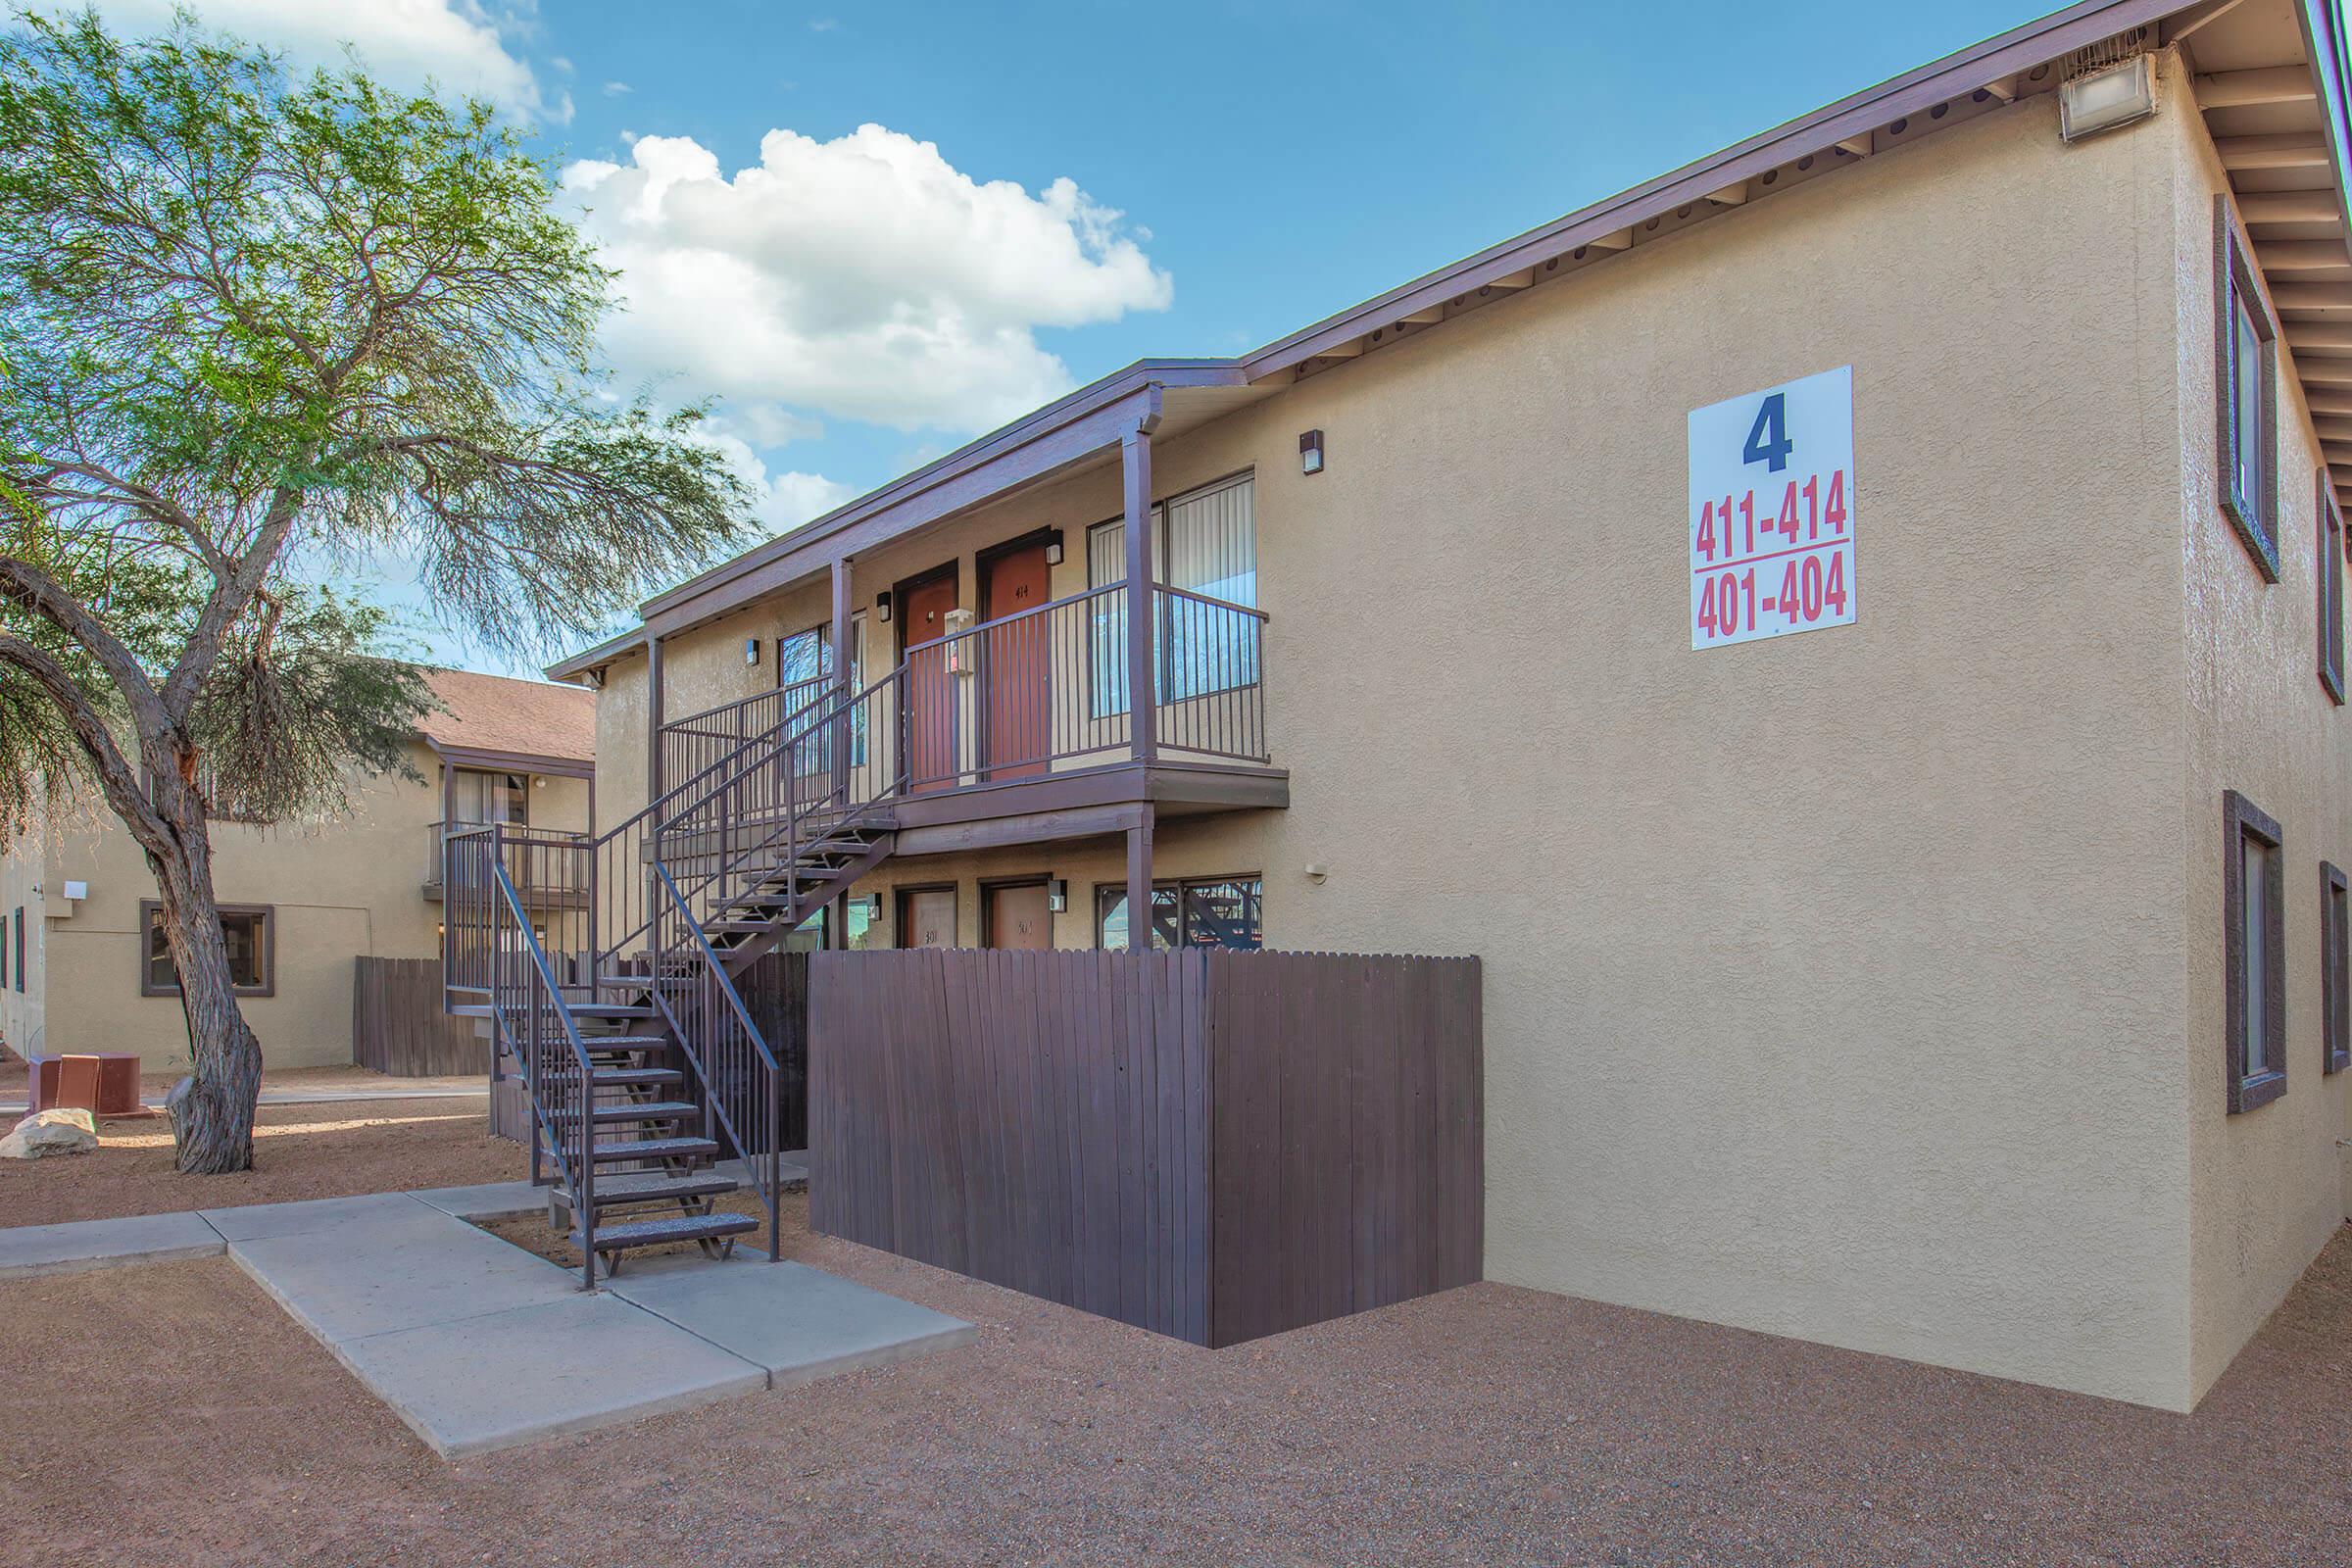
(1423, 317)
(1621, 240)
(2324, 400)
(2241, 89)
(2319, 335)
(2298, 150)
(2326, 296)
(2289, 207)
(2003, 88)
(2304, 256)
(1341, 351)
(2327, 372)
(1730, 196)
(2181, 27)
(1519, 279)
(1859, 146)
(2333, 430)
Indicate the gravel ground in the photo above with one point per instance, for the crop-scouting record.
(319, 1151)
(1488, 1425)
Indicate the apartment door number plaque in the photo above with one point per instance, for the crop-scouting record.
(1771, 512)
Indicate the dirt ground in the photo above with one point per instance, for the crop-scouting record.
(189, 1421)
(304, 1080)
(315, 1150)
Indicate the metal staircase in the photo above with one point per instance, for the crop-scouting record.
(606, 970)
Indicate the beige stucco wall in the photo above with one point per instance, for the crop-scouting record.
(340, 888)
(2266, 1185)
(1862, 985)
(24, 884)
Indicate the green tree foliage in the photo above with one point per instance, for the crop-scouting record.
(248, 322)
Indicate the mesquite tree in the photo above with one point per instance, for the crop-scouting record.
(254, 328)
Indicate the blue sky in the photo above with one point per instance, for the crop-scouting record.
(864, 303)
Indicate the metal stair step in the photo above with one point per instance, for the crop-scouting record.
(611, 1010)
(622, 1077)
(652, 1188)
(669, 1228)
(624, 1041)
(654, 1149)
(641, 1110)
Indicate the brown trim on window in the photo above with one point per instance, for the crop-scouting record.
(2330, 591)
(2242, 819)
(1179, 884)
(2335, 969)
(151, 910)
(19, 950)
(902, 894)
(2256, 517)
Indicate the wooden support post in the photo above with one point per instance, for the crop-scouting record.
(1134, 460)
(1139, 883)
(837, 736)
(652, 719)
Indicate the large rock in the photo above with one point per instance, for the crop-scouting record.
(51, 1132)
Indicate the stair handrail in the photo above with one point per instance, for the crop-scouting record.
(575, 1159)
(789, 827)
(766, 1175)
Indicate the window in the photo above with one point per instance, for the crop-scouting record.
(2331, 590)
(20, 944)
(4, 952)
(2247, 384)
(492, 797)
(2335, 973)
(804, 655)
(1205, 543)
(2254, 938)
(1209, 912)
(251, 932)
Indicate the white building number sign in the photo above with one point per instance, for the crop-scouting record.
(1771, 512)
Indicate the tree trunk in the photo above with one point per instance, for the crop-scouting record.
(212, 1128)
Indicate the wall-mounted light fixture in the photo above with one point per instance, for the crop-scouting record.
(1054, 550)
(76, 891)
(1311, 453)
(751, 650)
(1057, 895)
(2103, 99)
(882, 608)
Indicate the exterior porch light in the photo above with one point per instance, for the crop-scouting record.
(882, 609)
(1057, 895)
(751, 650)
(2104, 99)
(1054, 550)
(1311, 453)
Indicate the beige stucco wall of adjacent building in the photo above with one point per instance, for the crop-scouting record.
(1862, 985)
(25, 883)
(339, 890)
(2266, 1183)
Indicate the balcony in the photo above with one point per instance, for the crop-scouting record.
(1028, 715)
(546, 876)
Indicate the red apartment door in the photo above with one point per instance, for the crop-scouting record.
(1016, 726)
(1019, 915)
(930, 684)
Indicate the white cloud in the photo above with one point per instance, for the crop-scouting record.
(783, 500)
(614, 89)
(865, 277)
(463, 45)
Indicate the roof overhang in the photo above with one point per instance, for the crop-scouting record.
(513, 761)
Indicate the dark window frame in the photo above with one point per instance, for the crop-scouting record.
(2335, 969)
(1105, 892)
(2256, 516)
(2330, 531)
(2241, 819)
(151, 910)
(19, 947)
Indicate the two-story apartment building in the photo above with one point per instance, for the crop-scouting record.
(1963, 977)
(86, 969)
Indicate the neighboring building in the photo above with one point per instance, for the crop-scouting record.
(87, 970)
(1966, 982)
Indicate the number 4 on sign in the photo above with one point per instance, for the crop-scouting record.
(1768, 438)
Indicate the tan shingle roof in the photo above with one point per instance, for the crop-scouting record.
(492, 713)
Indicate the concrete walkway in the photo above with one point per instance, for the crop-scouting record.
(478, 1344)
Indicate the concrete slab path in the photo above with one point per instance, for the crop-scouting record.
(477, 1345)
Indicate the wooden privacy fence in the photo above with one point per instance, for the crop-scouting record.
(398, 1025)
(1214, 1145)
